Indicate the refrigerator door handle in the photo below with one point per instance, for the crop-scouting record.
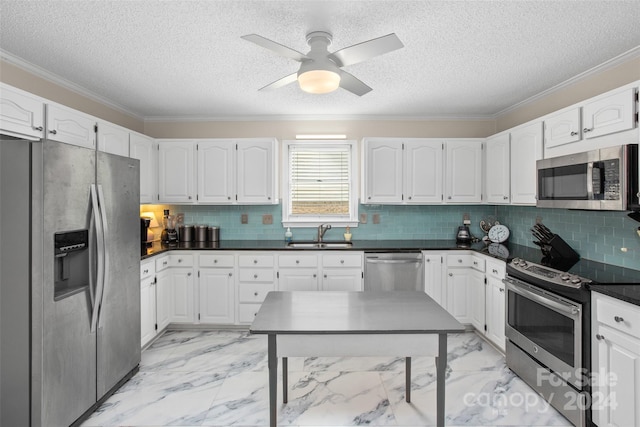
(105, 258)
(97, 214)
(92, 254)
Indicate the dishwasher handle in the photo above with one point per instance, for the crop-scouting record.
(393, 261)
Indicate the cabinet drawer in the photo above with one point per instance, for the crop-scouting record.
(216, 260)
(460, 260)
(342, 260)
(258, 260)
(180, 260)
(496, 269)
(477, 263)
(162, 263)
(247, 312)
(147, 268)
(618, 314)
(264, 275)
(253, 292)
(297, 261)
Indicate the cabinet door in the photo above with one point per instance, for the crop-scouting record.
(298, 279)
(611, 113)
(341, 279)
(433, 277)
(457, 293)
(463, 181)
(113, 139)
(616, 393)
(526, 149)
(21, 113)
(70, 126)
(216, 171)
(476, 300)
(217, 290)
(182, 296)
(423, 171)
(495, 311)
(147, 310)
(143, 148)
(497, 170)
(176, 171)
(256, 172)
(562, 128)
(383, 172)
(163, 301)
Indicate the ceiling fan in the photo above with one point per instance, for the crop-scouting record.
(320, 71)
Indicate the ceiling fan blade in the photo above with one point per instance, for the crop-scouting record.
(281, 50)
(353, 84)
(365, 50)
(281, 82)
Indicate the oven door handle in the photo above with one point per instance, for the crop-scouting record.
(559, 306)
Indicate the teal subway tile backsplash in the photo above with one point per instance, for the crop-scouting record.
(595, 235)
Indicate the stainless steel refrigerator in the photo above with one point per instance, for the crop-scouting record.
(69, 280)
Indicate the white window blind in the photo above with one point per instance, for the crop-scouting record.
(320, 180)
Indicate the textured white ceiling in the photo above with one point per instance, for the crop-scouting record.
(160, 59)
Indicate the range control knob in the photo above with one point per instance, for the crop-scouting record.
(515, 261)
(576, 280)
(565, 277)
(522, 263)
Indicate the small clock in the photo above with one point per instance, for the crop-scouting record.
(498, 250)
(498, 233)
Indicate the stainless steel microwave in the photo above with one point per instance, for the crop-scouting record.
(604, 179)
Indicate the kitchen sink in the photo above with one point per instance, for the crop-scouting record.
(320, 245)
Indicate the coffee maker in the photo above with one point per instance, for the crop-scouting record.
(144, 233)
(464, 235)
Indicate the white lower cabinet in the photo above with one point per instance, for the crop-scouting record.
(147, 302)
(433, 284)
(615, 343)
(342, 271)
(256, 278)
(495, 303)
(175, 275)
(216, 288)
(465, 272)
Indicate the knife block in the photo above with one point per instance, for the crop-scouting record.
(557, 248)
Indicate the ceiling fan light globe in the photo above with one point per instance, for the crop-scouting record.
(319, 81)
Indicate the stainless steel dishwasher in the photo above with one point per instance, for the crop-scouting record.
(393, 271)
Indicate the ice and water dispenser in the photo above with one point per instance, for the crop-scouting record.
(71, 266)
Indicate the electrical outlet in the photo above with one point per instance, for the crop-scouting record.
(244, 219)
(267, 219)
(363, 218)
(376, 218)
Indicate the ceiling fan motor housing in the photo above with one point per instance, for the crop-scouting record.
(318, 74)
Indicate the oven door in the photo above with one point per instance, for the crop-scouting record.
(547, 327)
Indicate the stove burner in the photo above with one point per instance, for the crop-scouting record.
(547, 274)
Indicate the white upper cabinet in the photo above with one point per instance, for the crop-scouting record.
(216, 183)
(562, 128)
(497, 170)
(143, 148)
(526, 149)
(463, 183)
(383, 171)
(256, 177)
(70, 126)
(113, 139)
(21, 113)
(612, 112)
(176, 171)
(423, 171)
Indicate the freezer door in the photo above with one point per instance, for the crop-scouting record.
(118, 180)
(64, 349)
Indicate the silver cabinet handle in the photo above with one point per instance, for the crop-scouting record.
(297, 261)
(585, 130)
(179, 260)
(164, 262)
(230, 274)
(146, 271)
(53, 131)
(38, 128)
(268, 198)
(494, 271)
(215, 261)
(255, 261)
(255, 294)
(409, 197)
(450, 274)
(188, 274)
(599, 337)
(255, 276)
(459, 260)
(315, 275)
(475, 262)
(505, 198)
(369, 198)
(449, 197)
(618, 319)
(228, 197)
(501, 289)
(189, 197)
(573, 133)
(341, 261)
(428, 260)
(325, 276)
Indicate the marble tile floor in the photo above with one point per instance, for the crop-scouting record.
(219, 378)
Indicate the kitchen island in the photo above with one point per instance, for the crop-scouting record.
(354, 324)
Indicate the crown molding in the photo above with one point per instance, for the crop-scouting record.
(317, 117)
(614, 62)
(57, 80)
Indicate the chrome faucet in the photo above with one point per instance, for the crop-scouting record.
(322, 228)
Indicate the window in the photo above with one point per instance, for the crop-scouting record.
(319, 184)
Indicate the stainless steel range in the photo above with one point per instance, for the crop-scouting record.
(548, 335)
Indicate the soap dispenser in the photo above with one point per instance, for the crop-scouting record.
(288, 236)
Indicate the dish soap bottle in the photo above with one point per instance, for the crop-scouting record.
(288, 236)
(347, 234)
